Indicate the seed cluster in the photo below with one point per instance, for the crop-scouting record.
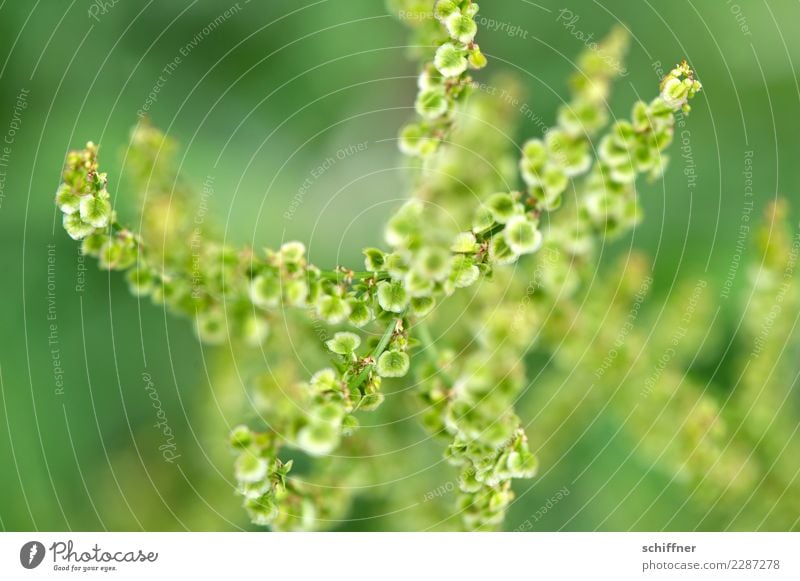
(444, 81)
(379, 312)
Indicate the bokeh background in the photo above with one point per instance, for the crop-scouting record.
(257, 104)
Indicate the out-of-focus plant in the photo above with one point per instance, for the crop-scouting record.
(459, 255)
(728, 438)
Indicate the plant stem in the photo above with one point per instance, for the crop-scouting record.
(340, 275)
(356, 382)
(484, 235)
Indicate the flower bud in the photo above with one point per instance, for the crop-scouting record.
(255, 329)
(344, 343)
(293, 253)
(396, 265)
(330, 412)
(140, 281)
(417, 284)
(296, 292)
(464, 272)
(360, 313)
(433, 263)
(522, 464)
(92, 244)
(373, 259)
(392, 364)
(429, 79)
(392, 297)
(318, 439)
(554, 182)
(675, 93)
(483, 219)
(95, 210)
(497, 432)
(640, 117)
(582, 118)
(502, 206)
(416, 142)
(431, 103)
(76, 227)
(477, 60)
(464, 243)
(262, 510)
(404, 226)
(471, 9)
(371, 401)
(67, 200)
(522, 235)
(250, 468)
(211, 326)
(117, 253)
(422, 306)
(349, 425)
(500, 252)
(333, 309)
(265, 290)
(325, 380)
(450, 60)
(461, 27)
(444, 8)
(241, 437)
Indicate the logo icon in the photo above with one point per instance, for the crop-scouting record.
(31, 554)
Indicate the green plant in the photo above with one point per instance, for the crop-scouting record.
(383, 314)
(726, 437)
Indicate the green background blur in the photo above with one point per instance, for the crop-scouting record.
(259, 103)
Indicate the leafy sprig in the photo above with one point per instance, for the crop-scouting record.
(234, 294)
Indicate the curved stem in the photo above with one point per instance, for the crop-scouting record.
(342, 274)
(356, 381)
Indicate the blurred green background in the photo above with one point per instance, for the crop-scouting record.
(257, 104)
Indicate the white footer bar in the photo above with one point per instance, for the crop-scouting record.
(389, 556)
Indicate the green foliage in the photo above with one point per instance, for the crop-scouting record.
(430, 257)
(724, 444)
